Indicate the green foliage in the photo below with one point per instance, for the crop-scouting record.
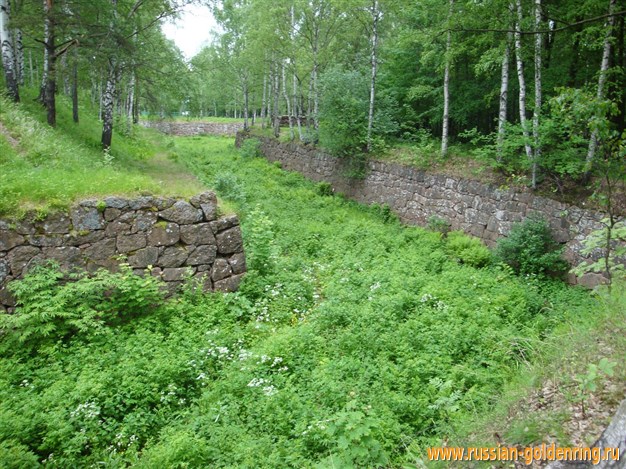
(359, 344)
(50, 309)
(344, 111)
(439, 225)
(324, 189)
(611, 243)
(228, 186)
(588, 382)
(260, 240)
(530, 249)
(467, 250)
(250, 148)
(51, 168)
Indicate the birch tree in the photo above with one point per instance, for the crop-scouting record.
(522, 81)
(8, 54)
(376, 15)
(446, 87)
(604, 67)
(537, 109)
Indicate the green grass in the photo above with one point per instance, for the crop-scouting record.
(354, 341)
(51, 168)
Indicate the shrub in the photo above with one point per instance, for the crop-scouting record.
(324, 189)
(531, 249)
(439, 224)
(467, 250)
(250, 148)
(48, 308)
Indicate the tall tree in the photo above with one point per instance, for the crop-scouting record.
(8, 54)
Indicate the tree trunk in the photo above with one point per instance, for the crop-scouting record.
(46, 52)
(130, 100)
(30, 65)
(264, 101)
(314, 73)
(292, 135)
(522, 81)
(374, 67)
(296, 107)
(537, 110)
(245, 104)
(446, 89)
(276, 91)
(8, 56)
(51, 84)
(108, 104)
(75, 87)
(604, 67)
(19, 56)
(504, 96)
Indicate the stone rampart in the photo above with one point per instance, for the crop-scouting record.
(176, 237)
(186, 129)
(479, 209)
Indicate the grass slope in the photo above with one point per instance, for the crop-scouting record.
(353, 342)
(45, 168)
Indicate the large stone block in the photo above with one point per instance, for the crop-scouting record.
(164, 234)
(21, 257)
(133, 242)
(144, 257)
(197, 234)
(221, 270)
(9, 239)
(202, 255)
(86, 219)
(182, 213)
(173, 256)
(229, 241)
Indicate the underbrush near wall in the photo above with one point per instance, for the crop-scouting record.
(354, 341)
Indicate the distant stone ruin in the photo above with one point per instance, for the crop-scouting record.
(176, 237)
(186, 129)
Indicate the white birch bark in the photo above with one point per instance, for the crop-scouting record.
(375, 12)
(46, 54)
(504, 96)
(263, 101)
(522, 81)
(292, 135)
(8, 56)
(537, 110)
(604, 67)
(445, 127)
(19, 56)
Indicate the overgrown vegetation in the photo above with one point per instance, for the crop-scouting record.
(353, 347)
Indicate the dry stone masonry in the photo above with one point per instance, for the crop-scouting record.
(479, 209)
(186, 129)
(175, 237)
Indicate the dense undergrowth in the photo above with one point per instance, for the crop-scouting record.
(353, 342)
(46, 168)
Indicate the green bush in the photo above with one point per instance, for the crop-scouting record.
(48, 308)
(467, 250)
(531, 249)
(250, 148)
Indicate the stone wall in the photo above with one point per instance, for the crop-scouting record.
(186, 129)
(174, 236)
(479, 209)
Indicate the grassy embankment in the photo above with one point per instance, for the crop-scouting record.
(44, 168)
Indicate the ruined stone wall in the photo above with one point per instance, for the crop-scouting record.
(479, 209)
(174, 236)
(186, 129)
